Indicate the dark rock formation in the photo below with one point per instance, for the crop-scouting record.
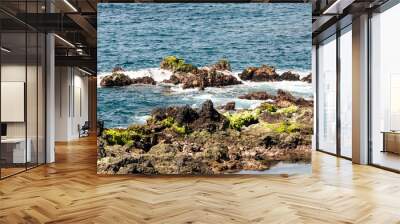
(117, 69)
(115, 79)
(307, 78)
(282, 99)
(203, 78)
(257, 96)
(264, 73)
(144, 80)
(285, 96)
(215, 76)
(289, 76)
(175, 64)
(185, 115)
(211, 146)
(229, 106)
(222, 65)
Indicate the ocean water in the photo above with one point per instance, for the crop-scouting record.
(138, 36)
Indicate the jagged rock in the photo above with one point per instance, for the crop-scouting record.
(144, 80)
(203, 78)
(175, 64)
(257, 96)
(230, 106)
(222, 65)
(117, 69)
(209, 147)
(207, 111)
(285, 96)
(307, 78)
(186, 115)
(289, 76)
(173, 80)
(192, 77)
(115, 79)
(264, 73)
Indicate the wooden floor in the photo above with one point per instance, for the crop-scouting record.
(69, 191)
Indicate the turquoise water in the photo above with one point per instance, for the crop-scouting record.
(138, 36)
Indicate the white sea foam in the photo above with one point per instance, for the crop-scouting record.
(156, 73)
(159, 75)
(141, 119)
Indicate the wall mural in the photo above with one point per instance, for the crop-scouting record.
(204, 88)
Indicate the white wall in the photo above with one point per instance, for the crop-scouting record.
(71, 102)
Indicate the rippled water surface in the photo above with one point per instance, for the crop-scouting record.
(138, 36)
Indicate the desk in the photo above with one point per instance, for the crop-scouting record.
(391, 141)
(16, 147)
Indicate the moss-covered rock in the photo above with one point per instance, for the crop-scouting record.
(240, 119)
(180, 129)
(167, 122)
(287, 111)
(176, 64)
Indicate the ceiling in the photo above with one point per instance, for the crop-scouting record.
(73, 21)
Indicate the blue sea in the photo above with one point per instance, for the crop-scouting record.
(138, 36)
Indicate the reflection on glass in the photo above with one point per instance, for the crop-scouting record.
(385, 84)
(346, 93)
(31, 101)
(14, 153)
(327, 96)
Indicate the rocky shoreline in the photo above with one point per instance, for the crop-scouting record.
(190, 76)
(209, 140)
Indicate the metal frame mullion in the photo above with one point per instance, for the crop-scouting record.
(338, 74)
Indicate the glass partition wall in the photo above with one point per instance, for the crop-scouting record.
(326, 104)
(22, 97)
(334, 89)
(345, 90)
(385, 89)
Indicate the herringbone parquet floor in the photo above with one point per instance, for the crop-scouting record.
(69, 191)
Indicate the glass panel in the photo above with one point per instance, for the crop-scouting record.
(31, 98)
(385, 84)
(13, 88)
(41, 99)
(346, 93)
(327, 96)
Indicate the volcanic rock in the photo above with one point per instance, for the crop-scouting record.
(307, 78)
(230, 106)
(144, 80)
(289, 76)
(115, 79)
(264, 73)
(257, 96)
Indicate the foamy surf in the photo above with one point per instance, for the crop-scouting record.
(157, 74)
